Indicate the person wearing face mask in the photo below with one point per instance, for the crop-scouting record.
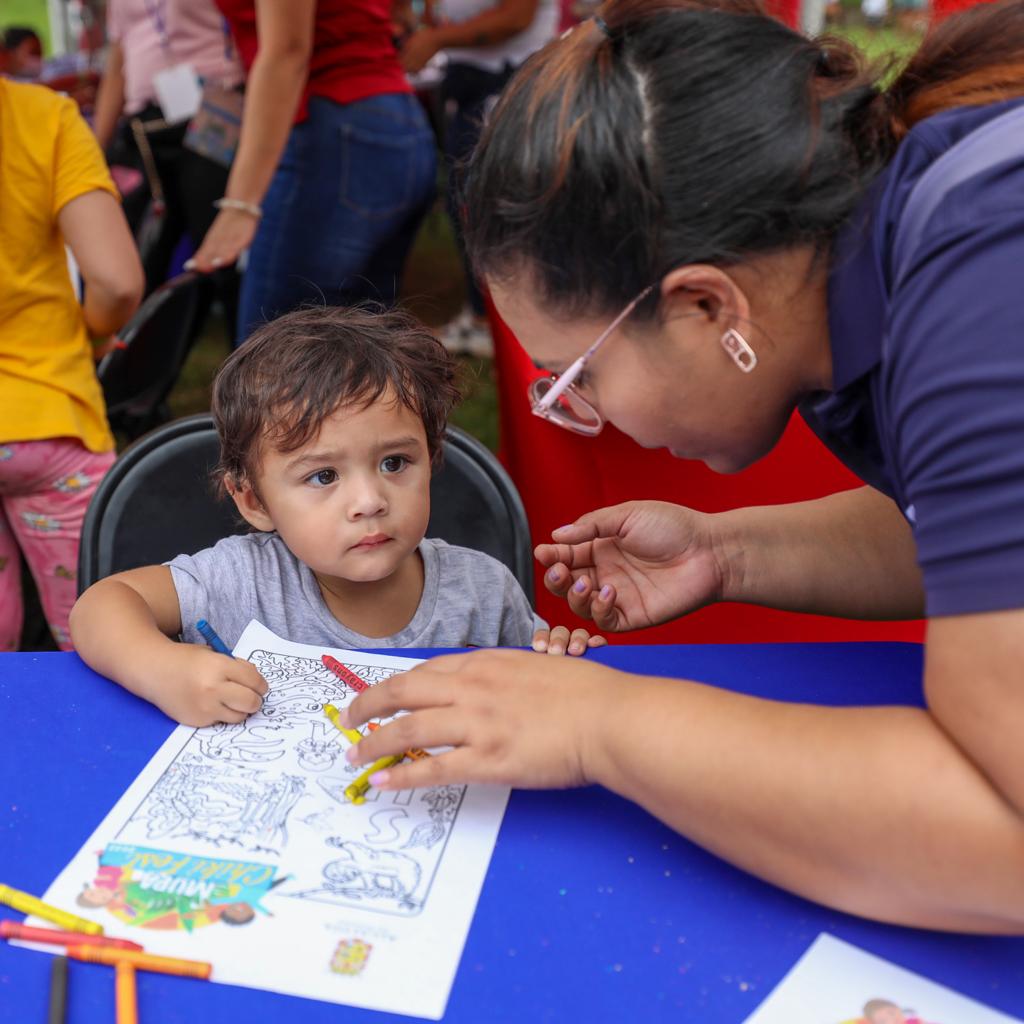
(748, 223)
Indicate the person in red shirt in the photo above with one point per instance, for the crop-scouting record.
(336, 162)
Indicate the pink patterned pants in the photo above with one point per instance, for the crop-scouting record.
(45, 487)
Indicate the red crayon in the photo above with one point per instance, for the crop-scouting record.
(14, 930)
(346, 675)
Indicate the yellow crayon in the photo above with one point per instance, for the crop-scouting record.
(30, 905)
(350, 734)
(356, 790)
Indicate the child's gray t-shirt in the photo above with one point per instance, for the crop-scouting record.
(469, 599)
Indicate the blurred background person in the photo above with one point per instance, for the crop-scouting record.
(336, 163)
(55, 444)
(22, 54)
(157, 48)
(484, 42)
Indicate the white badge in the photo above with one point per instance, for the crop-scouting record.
(178, 92)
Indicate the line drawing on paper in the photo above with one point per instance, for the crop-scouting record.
(221, 805)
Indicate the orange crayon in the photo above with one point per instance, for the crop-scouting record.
(124, 994)
(14, 930)
(141, 961)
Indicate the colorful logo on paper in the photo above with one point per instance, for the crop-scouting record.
(166, 890)
(350, 957)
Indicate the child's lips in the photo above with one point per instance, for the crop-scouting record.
(372, 541)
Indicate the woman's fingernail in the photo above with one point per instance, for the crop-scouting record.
(606, 592)
(380, 778)
(189, 265)
(561, 528)
(216, 261)
(553, 575)
(540, 646)
(580, 585)
(352, 754)
(575, 648)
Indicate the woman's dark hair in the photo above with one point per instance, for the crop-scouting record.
(294, 372)
(666, 132)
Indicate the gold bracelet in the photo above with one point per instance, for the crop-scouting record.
(239, 204)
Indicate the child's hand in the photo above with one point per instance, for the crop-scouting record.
(199, 687)
(560, 641)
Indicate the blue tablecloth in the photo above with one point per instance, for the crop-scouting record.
(590, 910)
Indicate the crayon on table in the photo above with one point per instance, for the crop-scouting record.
(14, 930)
(356, 790)
(58, 990)
(31, 905)
(125, 996)
(350, 734)
(209, 634)
(141, 961)
(345, 674)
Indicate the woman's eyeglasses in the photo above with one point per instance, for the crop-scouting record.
(556, 399)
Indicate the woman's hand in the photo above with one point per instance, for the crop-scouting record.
(230, 233)
(634, 565)
(512, 718)
(418, 49)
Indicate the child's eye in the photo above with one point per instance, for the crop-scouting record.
(322, 478)
(393, 463)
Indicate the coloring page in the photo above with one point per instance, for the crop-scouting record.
(836, 983)
(236, 845)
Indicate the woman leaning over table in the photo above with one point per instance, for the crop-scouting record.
(753, 180)
(335, 165)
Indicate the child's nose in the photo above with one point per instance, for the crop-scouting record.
(367, 500)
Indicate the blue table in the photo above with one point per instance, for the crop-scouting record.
(591, 909)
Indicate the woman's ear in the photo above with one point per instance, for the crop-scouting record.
(249, 505)
(700, 290)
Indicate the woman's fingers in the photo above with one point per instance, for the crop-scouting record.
(434, 727)
(602, 522)
(603, 611)
(425, 686)
(454, 766)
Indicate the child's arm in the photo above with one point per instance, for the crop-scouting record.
(560, 641)
(123, 626)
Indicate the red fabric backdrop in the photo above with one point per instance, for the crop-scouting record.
(561, 475)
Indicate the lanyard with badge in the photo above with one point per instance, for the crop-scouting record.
(213, 113)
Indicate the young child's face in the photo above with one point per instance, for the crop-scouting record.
(353, 502)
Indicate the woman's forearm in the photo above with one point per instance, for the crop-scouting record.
(109, 96)
(273, 90)
(850, 554)
(874, 811)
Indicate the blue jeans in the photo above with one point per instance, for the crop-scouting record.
(344, 205)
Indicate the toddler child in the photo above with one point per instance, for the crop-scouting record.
(331, 422)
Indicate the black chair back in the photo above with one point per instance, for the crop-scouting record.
(138, 375)
(157, 502)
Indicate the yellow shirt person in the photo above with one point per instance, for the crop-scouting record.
(55, 444)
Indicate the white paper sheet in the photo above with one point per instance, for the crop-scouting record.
(833, 982)
(235, 845)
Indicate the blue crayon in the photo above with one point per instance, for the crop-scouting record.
(210, 636)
